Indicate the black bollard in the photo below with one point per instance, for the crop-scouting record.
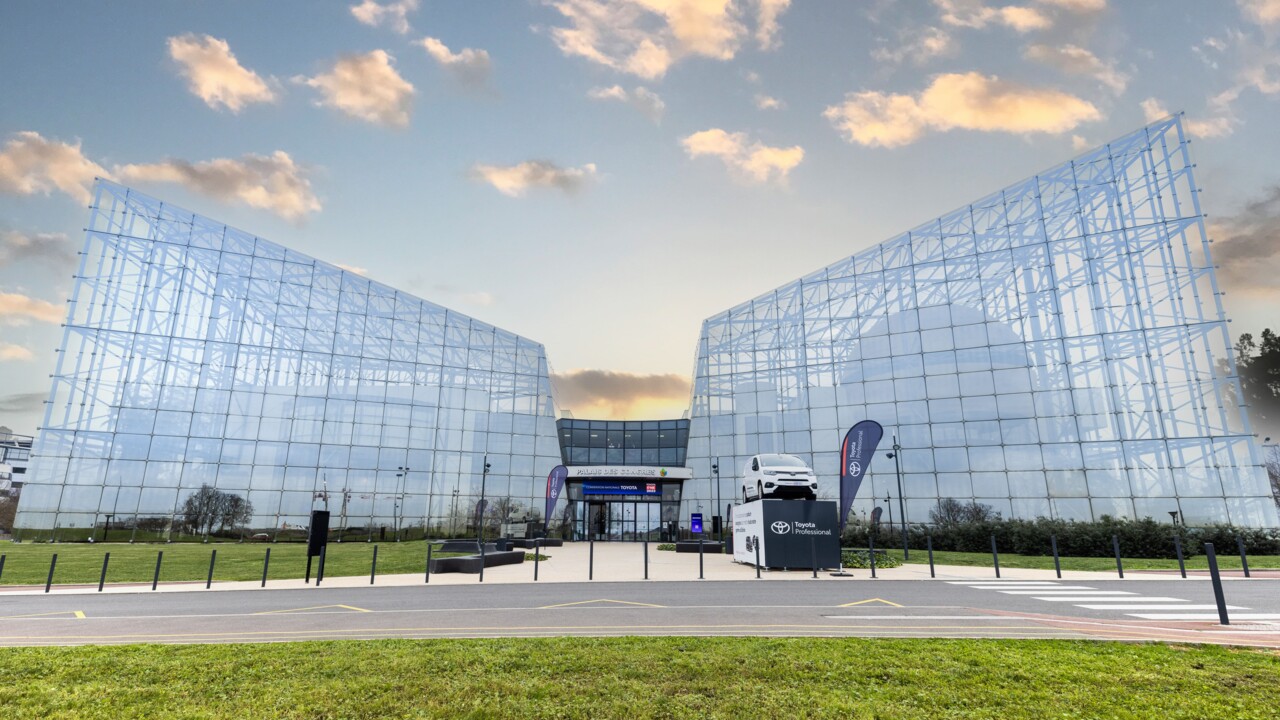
(537, 555)
(1057, 566)
(995, 556)
(813, 555)
(591, 559)
(929, 540)
(156, 580)
(1244, 559)
(1177, 546)
(102, 579)
(1217, 583)
(700, 557)
(646, 559)
(427, 577)
(757, 546)
(320, 570)
(52, 564)
(2, 566)
(266, 562)
(1115, 545)
(373, 568)
(871, 553)
(307, 577)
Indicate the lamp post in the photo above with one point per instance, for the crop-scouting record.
(715, 468)
(484, 478)
(404, 484)
(1173, 517)
(453, 514)
(902, 508)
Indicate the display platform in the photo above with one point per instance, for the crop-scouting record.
(787, 533)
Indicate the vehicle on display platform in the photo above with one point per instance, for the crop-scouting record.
(778, 476)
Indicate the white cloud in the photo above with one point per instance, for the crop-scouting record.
(1262, 12)
(30, 164)
(52, 248)
(753, 161)
(468, 65)
(515, 180)
(643, 99)
(9, 351)
(214, 75)
(766, 102)
(968, 101)
(394, 15)
(1153, 110)
(1075, 60)
(974, 14)
(918, 47)
(366, 87)
(1079, 144)
(1082, 7)
(645, 37)
(19, 309)
(616, 395)
(353, 269)
(271, 182)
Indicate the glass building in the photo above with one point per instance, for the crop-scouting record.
(1057, 348)
(198, 355)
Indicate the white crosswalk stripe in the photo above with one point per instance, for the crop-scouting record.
(1090, 598)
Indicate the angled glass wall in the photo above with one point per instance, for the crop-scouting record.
(1053, 349)
(198, 355)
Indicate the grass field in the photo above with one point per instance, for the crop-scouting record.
(28, 564)
(643, 678)
(1226, 561)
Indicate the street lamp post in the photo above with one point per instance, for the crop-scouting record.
(715, 468)
(404, 484)
(453, 514)
(484, 478)
(902, 508)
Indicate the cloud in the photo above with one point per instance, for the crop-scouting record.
(645, 37)
(18, 309)
(1262, 12)
(765, 102)
(641, 98)
(1082, 7)
(468, 65)
(479, 298)
(15, 352)
(53, 249)
(752, 161)
(918, 47)
(214, 75)
(272, 182)
(30, 164)
(366, 87)
(1153, 110)
(1079, 144)
(973, 14)
(514, 180)
(394, 15)
(1075, 60)
(615, 395)
(23, 402)
(968, 101)
(353, 269)
(1247, 245)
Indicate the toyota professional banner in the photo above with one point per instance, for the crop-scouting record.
(787, 533)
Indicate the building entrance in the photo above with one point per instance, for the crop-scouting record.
(621, 521)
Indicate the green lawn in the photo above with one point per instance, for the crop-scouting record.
(643, 678)
(1226, 561)
(28, 564)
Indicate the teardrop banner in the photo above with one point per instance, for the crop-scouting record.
(855, 455)
(555, 484)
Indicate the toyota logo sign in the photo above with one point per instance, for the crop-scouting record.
(780, 527)
(854, 467)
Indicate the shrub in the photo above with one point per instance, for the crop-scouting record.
(667, 546)
(855, 558)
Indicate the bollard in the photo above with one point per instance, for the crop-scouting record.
(813, 556)
(757, 546)
(1177, 546)
(2, 566)
(1057, 566)
(427, 578)
(871, 552)
(646, 559)
(929, 540)
(102, 579)
(537, 555)
(482, 561)
(373, 569)
(1217, 583)
(320, 571)
(1115, 545)
(52, 564)
(266, 562)
(995, 556)
(1244, 559)
(591, 559)
(306, 579)
(699, 557)
(156, 580)
(212, 558)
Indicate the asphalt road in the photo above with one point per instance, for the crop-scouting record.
(1173, 609)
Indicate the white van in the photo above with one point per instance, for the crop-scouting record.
(778, 476)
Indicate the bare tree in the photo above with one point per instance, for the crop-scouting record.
(950, 511)
(209, 507)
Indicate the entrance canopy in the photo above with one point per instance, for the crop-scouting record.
(623, 502)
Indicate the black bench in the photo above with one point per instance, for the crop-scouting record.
(472, 563)
(691, 546)
(543, 543)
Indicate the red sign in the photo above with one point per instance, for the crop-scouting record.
(651, 487)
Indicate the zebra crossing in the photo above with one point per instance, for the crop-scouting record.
(1135, 604)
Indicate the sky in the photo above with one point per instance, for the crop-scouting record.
(602, 175)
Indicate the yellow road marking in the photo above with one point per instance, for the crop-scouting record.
(602, 600)
(77, 614)
(314, 607)
(871, 600)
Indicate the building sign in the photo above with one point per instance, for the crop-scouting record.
(695, 524)
(629, 471)
(619, 487)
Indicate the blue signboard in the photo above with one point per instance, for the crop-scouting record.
(621, 487)
(695, 524)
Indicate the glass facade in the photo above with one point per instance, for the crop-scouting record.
(195, 354)
(623, 442)
(1054, 349)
